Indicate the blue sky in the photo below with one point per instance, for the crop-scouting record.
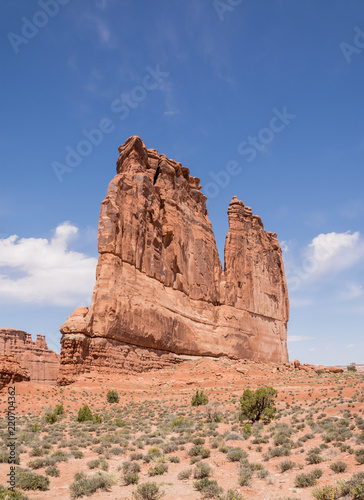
(262, 100)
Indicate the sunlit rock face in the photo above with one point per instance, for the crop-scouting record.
(160, 288)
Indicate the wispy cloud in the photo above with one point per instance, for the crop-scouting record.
(38, 270)
(298, 338)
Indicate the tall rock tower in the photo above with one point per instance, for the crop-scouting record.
(160, 289)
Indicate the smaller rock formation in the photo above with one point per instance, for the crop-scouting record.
(41, 362)
(11, 371)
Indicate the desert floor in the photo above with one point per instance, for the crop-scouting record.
(153, 427)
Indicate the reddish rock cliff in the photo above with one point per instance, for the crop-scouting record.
(11, 371)
(160, 289)
(41, 363)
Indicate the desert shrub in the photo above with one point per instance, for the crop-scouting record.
(84, 414)
(147, 491)
(199, 398)
(277, 451)
(136, 456)
(131, 478)
(351, 368)
(338, 467)
(59, 410)
(314, 458)
(213, 414)
(170, 447)
(131, 467)
(199, 450)
(359, 455)
(86, 485)
(93, 464)
(77, 453)
(51, 417)
(29, 480)
(158, 469)
(174, 459)
(354, 487)
(52, 471)
(286, 465)
(113, 397)
(6, 494)
(305, 480)
(245, 477)
(39, 463)
(236, 454)
(326, 493)
(208, 488)
(233, 495)
(258, 405)
(184, 474)
(202, 470)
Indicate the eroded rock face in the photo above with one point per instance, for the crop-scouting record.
(160, 288)
(41, 363)
(11, 371)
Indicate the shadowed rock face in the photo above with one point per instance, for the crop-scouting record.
(41, 363)
(11, 371)
(160, 289)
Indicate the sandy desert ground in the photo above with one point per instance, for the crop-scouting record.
(153, 428)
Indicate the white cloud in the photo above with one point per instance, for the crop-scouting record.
(350, 346)
(38, 270)
(297, 338)
(350, 291)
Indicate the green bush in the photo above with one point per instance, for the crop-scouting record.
(113, 397)
(245, 477)
(233, 495)
(199, 398)
(158, 469)
(208, 488)
(359, 455)
(305, 480)
(147, 491)
(84, 413)
(131, 478)
(286, 465)
(338, 467)
(326, 493)
(29, 480)
(52, 471)
(202, 470)
(258, 405)
(6, 494)
(236, 454)
(86, 485)
(351, 368)
(51, 417)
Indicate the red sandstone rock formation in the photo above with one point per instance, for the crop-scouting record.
(160, 289)
(11, 371)
(41, 363)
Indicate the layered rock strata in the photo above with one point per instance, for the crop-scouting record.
(41, 363)
(160, 288)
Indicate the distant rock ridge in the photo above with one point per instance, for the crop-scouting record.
(41, 363)
(160, 288)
